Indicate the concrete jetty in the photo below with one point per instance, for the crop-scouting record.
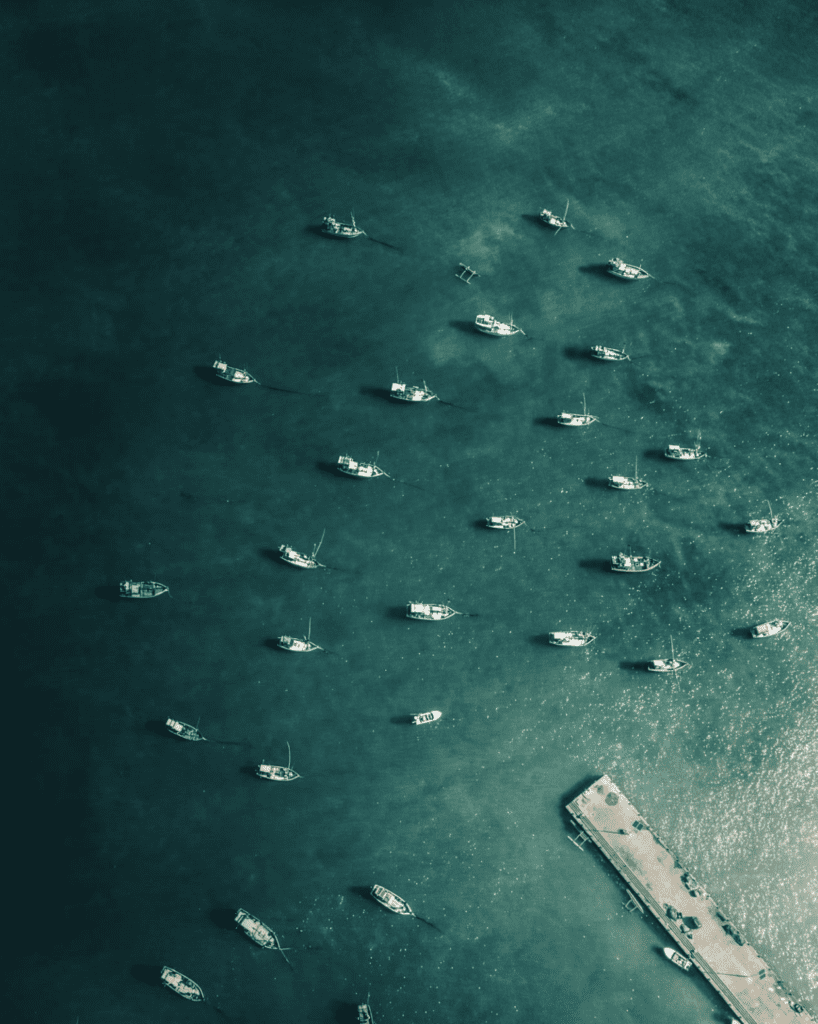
(658, 883)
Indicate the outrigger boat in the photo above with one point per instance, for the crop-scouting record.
(147, 588)
(277, 772)
(391, 901)
(577, 419)
(362, 470)
(182, 985)
(233, 374)
(299, 644)
(427, 716)
(553, 221)
(665, 665)
(571, 638)
(628, 483)
(627, 271)
(410, 392)
(337, 229)
(488, 325)
(763, 525)
(430, 612)
(504, 522)
(365, 1014)
(609, 355)
(293, 557)
(259, 932)
(678, 959)
(771, 628)
(183, 730)
(633, 563)
(676, 451)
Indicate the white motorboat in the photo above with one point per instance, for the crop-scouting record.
(571, 638)
(302, 561)
(391, 901)
(628, 483)
(577, 419)
(627, 271)
(427, 716)
(609, 355)
(337, 229)
(488, 325)
(183, 730)
(361, 470)
(633, 563)
(764, 525)
(771, 628)
(232, 374)
(430, 612)
(182, 985)
(147, 588)
(277, 772)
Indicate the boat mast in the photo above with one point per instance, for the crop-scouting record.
(317, 547)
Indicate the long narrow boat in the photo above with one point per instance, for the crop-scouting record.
(771, 628)
(427, 716)
(259, 932)
(182, 985)
(763, 525)
(488, 325)
(627, 271)
(633, 563)
(391, 901)
(293, 557)
(147, 588)
(183, 730)
(571, 638)
(337, 229)
(628, 483)
(430, 612)
(361, 470)
(504, 522)
(609, 355)
(277, 772)
(403, 392)
(672, 664)
(300, 645)
(577, 419)
(232, 374)
(677, 958)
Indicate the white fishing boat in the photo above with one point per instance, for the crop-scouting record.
(293, 557)
(633, 563)
(628, 483)
(259, 932)
(183, 730)
(763, 525)
(403, 392)
(504, 522)
(391, 901)
(337, 229)
(427, 716)
(571, 638)
(682, 454)
(430, 612)
(609, 355)
(361, 470)
(277, 772)
(672, 664)
(147, 588)
(553, 221)
(365, 1014)
(488, 325)
(577, 419)
(627, 271)
(233, 374)
(300, 645)
(678, 959)
(182, 985)
(771, 628)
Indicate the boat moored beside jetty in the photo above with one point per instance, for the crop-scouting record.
(488, 325)
(361, 470)
(337, 229)
(633, 563)
(391, 901)
(183, 730)
(677, 958)
(182, 985)
(232, 374)
(609, 355)
(627, 271)
(430, 612)
(771, 628)
(147, 588)
(427, 716)
(571, 638)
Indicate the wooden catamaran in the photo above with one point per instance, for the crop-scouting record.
(277, 772)
(553, 221)
(182, 985)
(147, 588)
(763, 525)
(361, 470)
(300, 645)
(337, 229)
(488, 325)
(577, 419)
(627, 271)
(391, 901)
(628, 483)
(259, 932)
(232, 374)
(183, 730)
(293, 557)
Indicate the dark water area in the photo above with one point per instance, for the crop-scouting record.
(166, 169)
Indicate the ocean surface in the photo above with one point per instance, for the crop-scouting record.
(165, 169)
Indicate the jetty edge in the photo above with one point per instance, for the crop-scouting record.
(656, 881)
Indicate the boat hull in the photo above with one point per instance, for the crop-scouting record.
(504, 523)
(570, 639)
(256, 930)
(766, 629)
(182, 985)
(147, 588)
(609, 355)
(660, 665)
(625, 483)
(427, 716)
(677, 958)
(429, 612)
(390, 901)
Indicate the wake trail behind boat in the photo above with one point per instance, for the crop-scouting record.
(287, 391)
(389, 245)
(430, 923)
(463, 407)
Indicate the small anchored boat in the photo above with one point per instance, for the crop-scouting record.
(361, 470)
(676, 451)
(259, 932)
(365, 1015)
(430, 612)
(391, 901)
(763, 525)
(678, 959)
(667, 665)
(147, 588)
(771, 628)
(404, 392)
(571, 638)
(633, 563)
(182, 985)
(337, 229)
(609, 355)
(183, 730)
(577, 419)
(277, 772)
(627, 271)
(293, 557)
(628, 483)
(427, 716)
(504, 522)
(553, 221)
(233, 374)
(488, 325)
(299, 644)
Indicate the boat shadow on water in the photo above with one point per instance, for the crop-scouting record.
(382, 393)
(209, 376)
(578, 354)
(467, 326)
(401, 719)
(596, 481)
(596, 564)
(364, 891)
(344, 1013)
(159, 728)
(742, 632)
(601, 270)
(656, 454)
(733, 527)
(540, 640)
(634, 666)
(223, 918)
(147, 974)
(107, 594)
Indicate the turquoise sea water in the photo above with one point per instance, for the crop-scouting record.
(165, 169)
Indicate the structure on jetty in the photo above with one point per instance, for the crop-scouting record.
(656, 881)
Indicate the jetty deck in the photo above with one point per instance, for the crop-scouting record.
(658, 883)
